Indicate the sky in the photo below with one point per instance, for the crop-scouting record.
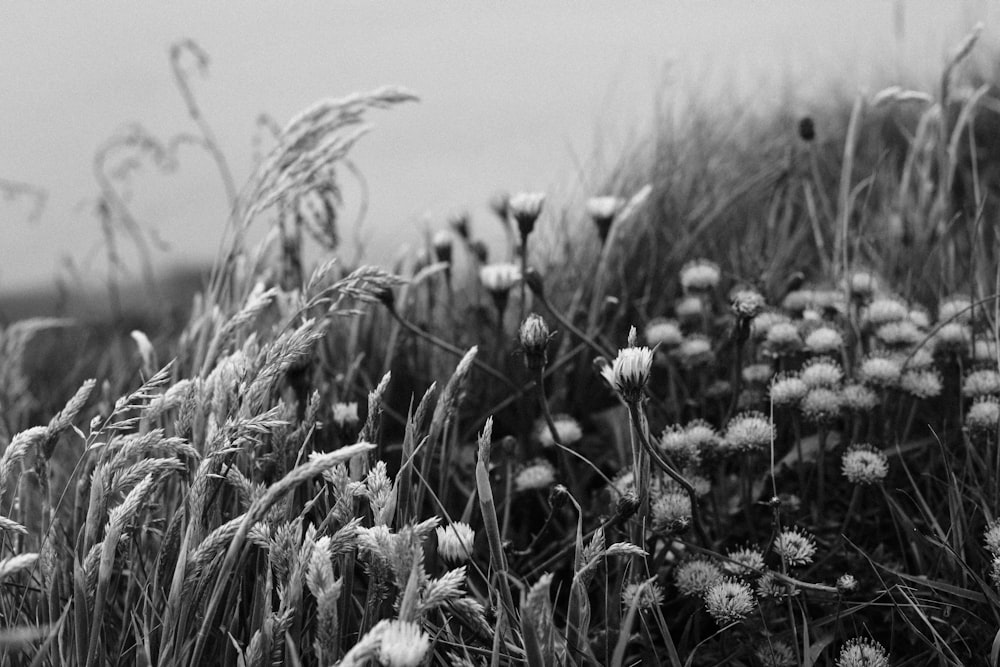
(514, 96)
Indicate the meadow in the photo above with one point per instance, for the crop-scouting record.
(741, 407)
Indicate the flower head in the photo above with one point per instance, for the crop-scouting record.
(534, 338)
(695, 351)
(696, 576)
(763, 323)
(846, 583)
(671, 512)
(863, 464)
(700, 274)
(921, 383)
(567, 428)
(403, 644)
(630, 371)
(862, 284)
(345, 415)
(880, 371)
(525, 207)
(442, 242)
(883, 310)
(788, 390)
(991, 538)
(603, 211)
(745, 561)
(956, 309)
(455, 541)
(859, 398)
(729, 601)
(983, 415)
(680, 449)
(953, 337)
(642, 594)
(794, 547)
(499, 278)
(689, 308)
(776, 653)
(824, 340)
(821, 404)
(860, 652)
(783, 338)
(758, 373)
(539, 474)
(663, 333)
(981, 383)
(822, 372)
(901, 334)
(749, 431)
(747, 303)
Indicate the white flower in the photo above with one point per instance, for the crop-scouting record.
(749, 431)
(567, 428)
(729, 601)
(823, 372)
(696, 576)
(983, 415)
(455, 541)
(663, 332)
(794, 547)
(700, 274)
(863, 464)
(345, 414)
(788, 390)
(880, 371)
(403, 644)
(860, 652)
(525, 207)
(604, 208)
(539, 474)
(630, 371)
(981, 383)
(499, 278)
(824, 340)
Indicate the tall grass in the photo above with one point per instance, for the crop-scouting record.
(791, 459)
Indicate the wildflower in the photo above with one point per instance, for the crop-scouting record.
(920, 358)
(953, 337)
(499, 278)
(859, 398)
(821, 404)
(534, 338)
(783, 338)
(862, 285)
(995, 571)
(918, 315)
(662, 332)
(984, 350)
(689, 308)
(758, 373)
(798, 300)
(747, 303)
(922, 383)
(729, 601)
(769, 586)
(863, 464)
(846, 583)
(442, 243)
(981, 383)
(983, 415)
(630, 371)
(539, 474)
(903, 333)
(824, 340)
(992, 538)
(787, 390)
(776, 654)
(822, 372)
(696, 576)
(403, 644)
(955, 309)
(671, 512)
(883, 310)
(763, 323)
(701, 434)
(455, 541)
(642, 594)
(749, 431)
(794, 547)
(700, 274)
(567, 428)
(525, 207)
(880, 371)
(679, 448)
(860, 652)
(695, 351)
(603, 210)
(345, 415)
(746, 561)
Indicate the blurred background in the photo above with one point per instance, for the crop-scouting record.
(536, 96)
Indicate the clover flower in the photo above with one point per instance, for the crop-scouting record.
(863, 464)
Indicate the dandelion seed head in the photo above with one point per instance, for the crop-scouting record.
(824, 340)
(821, 372)
(568, 429)
(729, 601)
(788, 390)
(455, 541)
(794, 547)
(862, 652)
(700, 274)
(922, 383)
(863, 464)
(880, 371)
(696, 576)
(540, 474)
(859, 398)
(981, 383)
(403, 644)
(664, 333)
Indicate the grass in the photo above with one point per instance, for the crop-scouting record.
(753, 419)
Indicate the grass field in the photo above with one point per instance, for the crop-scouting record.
(741, 408)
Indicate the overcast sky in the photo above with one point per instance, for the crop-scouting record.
(514, 96)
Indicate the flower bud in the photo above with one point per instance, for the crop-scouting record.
(534, 337)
